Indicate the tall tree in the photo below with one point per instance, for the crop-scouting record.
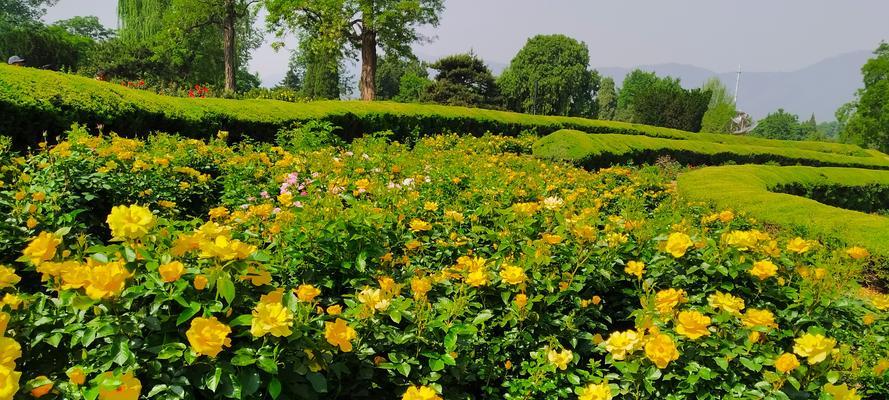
(391, 69)
(551, 75)
(721, 109)
(865, 121)
(634, 83)
(607, 99)
(350, 26)
(462, 80)
(20, 12)
(88, 26)
(780, 125)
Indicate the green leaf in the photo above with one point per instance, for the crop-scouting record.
(833, 377)
(274, 388)
(189, 312)
(450, 341)
(750, 364)
(212, 379)
(395, 315)
(404, 368)
(318, 381)
(242, 320)
(250, 381)
(225, 288)
(436, 364)
(171, 350)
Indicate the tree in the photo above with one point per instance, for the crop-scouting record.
(551, 76)
(866, 120)
(391, 70)
(86, 26)
(607, 99)
(647, 99)
(20, 12)
(636, 81)
(462, 80)
(412, 86)
(720, 110)
(45, 46)
(780, 125)
(349, 26)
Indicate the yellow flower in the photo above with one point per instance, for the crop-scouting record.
(270, 316)
(881, 302)
(307, 293)
(726, 302)
(814, 347)
(512, 275)
(10, 350)
(4, 323)
(420, 393)
(225, 249)
(661, 349)
(677, 244)
(200, 282)
(741, 240)
(869, 319)
(667, 299)
(692, 324)
(130, 222)
(756, 317)
(521, 300)
(635, 268)
(31, 223)
(798, 245)
(9, 382)
(172, 271)
(418, 225)
(76, 375)
(340, 334)
(841, 392)
(11, 300)
(726, 216)
(763, 269)
(559, 358)
(881, 366)
(595, 392)
(430, 206)
(335, 309)
(551, 239)
(857, 253)
(786, 362)
(620, 344)
(257, 276)
(477, 278)
(42, 390)
(218, 212)
(107, 280)
(129, 388)
(420, 286)
(8, 278)
(525, 209)
(42, 248)
(208, 336)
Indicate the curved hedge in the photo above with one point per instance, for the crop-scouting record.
(35, 101)
(602, 150)
(750, 188)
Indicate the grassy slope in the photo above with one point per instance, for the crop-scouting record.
(605, 149)
(746, 188)
(33, 101)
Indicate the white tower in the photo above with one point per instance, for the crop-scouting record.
(737, 85)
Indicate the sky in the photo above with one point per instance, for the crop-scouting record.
(761, 35)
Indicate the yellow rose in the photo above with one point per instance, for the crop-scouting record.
(172, 271)
(9, 382)
(798, 245)
(881, 302)
(200, 282)
(595, 392)
(10, 350)
(551, 239)
(512, 275)
(430, 206)
(756, 317)
(8, 278)
(40, 391)
(726, 216)
(130, 222)
(677, 244)
(635, 268)
(841, 392)
(4, 322)
(477, 278)
(881, 366)
(620, 344)
(667, 299)
(763, 269)
(692, 324)
(76, 375)
(521, 300)
(786, 362)
(340, 334)
(129, 388)
(11, 300)
(270, 316)
(420, 393)
(107, 280)
(741, 240)
(307, 293)
(418, 225)
(858, 253)
(661, 350)
(208, 336)
(420, 286)
(726, 302)
(560, 359)
(815, 348)
(335, 309)
(42, 248)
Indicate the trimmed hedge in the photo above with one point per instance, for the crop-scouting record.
(602, 150)
(750, 188)
(35, 101)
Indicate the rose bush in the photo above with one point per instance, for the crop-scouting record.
(458, 268)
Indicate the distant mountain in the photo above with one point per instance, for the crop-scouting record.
(820, 88)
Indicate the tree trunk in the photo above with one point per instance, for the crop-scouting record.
(368, 64)
(228, 45)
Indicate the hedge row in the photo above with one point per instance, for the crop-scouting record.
(602, 150)
(34, 101)
(751, 188)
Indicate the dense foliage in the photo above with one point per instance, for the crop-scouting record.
(551, 76)
(720, 110)
(866, 120)
(648, 99)
(786, 126)
(462, 80)
(460, 267)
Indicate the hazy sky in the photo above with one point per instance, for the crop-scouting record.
(762, 35)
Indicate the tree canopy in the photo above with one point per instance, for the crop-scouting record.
(721, 109)
(865, 121)
(647, 99)
(462, 80)
(780, 125)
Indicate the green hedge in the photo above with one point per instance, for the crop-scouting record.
(602, 150)
(750, 188)
(35, 101)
